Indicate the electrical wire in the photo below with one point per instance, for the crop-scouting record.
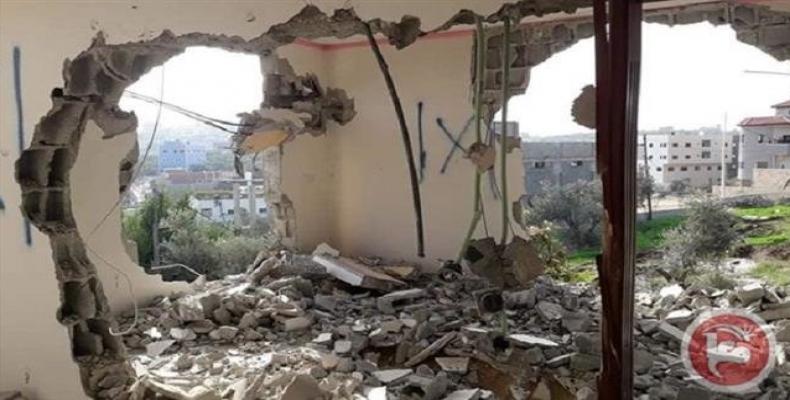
(136, 172)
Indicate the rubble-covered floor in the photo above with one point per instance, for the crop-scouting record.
(289, 330)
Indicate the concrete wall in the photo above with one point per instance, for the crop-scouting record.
(34, 347)
(373, 212)
(349, 188)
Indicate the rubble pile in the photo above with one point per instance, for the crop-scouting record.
(290, 330)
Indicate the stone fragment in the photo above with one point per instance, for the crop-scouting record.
(303, 387)
(201, 326)
(248, 320)
(559, 361)
(432, 349)
(521, 299)
(224, 333)
(585, 362)
(392, 376)
(222, 316)
(155, 349)
(465, 394)
(776, 313)
(357, 274)
(378, 393)
(456, 365)
(324, 249)
(188, 308)
(388, 302)
(679, 317)
(549, 311)
(297, 324)
(323, 338)
(525, 340)
(343, 346)
(534, 356)
(183, 362)
(750, 293)
(643, 361)
(182, 334)
(324, 302)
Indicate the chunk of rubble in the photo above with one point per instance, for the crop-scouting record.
(530, 340)
(357, 274)
(455, 365)
(155, 349)
(303, 387)
(432, 349)
(387, 303)
(750, 293)
(392, 376)
(549, 311)
(297, 324)
(182, 335)
(465, 394)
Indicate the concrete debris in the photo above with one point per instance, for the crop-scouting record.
(388, 302)
(307, 335)
(324, 249)
(357, 274)
(482, 155)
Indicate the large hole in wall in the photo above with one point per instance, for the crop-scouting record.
(695, 79)
(187, 209)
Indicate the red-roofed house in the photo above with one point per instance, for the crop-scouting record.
(765, 143)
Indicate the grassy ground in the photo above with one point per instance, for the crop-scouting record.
(772, 232)
(648, 237)
(775, 271)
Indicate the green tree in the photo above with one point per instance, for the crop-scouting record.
(575, 210)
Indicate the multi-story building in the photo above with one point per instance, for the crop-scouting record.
(180, 155)
(765, 143)
(556, 163)
(222, 206)
(693, 158)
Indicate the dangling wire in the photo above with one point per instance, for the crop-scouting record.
(137, 170)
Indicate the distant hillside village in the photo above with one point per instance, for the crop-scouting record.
(754, 158)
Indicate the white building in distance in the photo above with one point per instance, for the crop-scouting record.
(765, 143)
(693, 158)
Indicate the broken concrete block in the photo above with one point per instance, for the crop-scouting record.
(466, 394)
(530, 340)
(549, 311)
(323, 338)
(456, 365)
(182, 334)
(776, 313)
(392, 376)
(750, 293)
(342, 347)
(432, 349)
(387, 303)
(525, 263)
(224, 333)
(680, 317)
(155, 349)
(297, 324)
(324, 249)
(303, 387)
(357, 274)
(585, 362)
(377, 393)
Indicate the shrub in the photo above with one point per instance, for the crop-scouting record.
(707, 234)
(575, 210)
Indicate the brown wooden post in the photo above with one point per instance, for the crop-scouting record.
(618, 55)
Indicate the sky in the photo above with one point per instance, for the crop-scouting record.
(691, 76)
(213, 82)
